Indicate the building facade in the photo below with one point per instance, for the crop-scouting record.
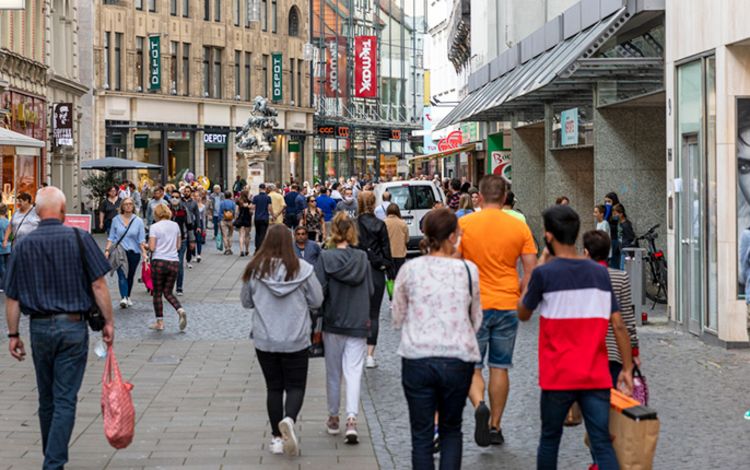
(367, 130)
(65, 89)
(23, 97)
(708, 117)
(175, 80)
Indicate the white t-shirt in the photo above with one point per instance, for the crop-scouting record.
(166, 233)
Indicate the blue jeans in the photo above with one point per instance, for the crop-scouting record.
(217, 228)
(497, 338)
(181, 271)
(430, 385)
(125, 281)
(59, 348)
(3, 264)
(595, 409)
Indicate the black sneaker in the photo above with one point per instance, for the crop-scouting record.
(496, 437)
(482, 425)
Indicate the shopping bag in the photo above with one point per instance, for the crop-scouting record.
(389, 283)
(640, 387)
(117, 405)
(574, 417)
(316, 336)
(219, 242)
(148, 281)
(635, 431)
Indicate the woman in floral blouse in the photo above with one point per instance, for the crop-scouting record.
(436, 303)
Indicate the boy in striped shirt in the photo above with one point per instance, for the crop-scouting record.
(576, 304)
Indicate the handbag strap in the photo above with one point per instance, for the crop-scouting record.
(18, 229)
(85, 263)
(471, 288)
(126, 232)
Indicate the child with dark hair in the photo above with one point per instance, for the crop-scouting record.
(576, 304)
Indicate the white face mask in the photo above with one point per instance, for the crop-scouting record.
(348, 198)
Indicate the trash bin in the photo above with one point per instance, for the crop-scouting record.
(635, 267)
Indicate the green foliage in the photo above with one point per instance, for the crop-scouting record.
(99, 182)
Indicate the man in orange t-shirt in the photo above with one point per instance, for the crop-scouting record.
(494, 241)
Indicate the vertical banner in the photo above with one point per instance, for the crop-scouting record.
(62, 124)
(276, 76)
(365, 67)
(429, 145)
(498, 162)
(743, 188)
(336, 67)
(569, 127)
(154, 56)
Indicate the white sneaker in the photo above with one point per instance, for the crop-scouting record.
(183, 318)
(130, 302)
(351, 435)
(190, 266)
(291, 445)
(276, 446)
(370, 362)
(198, 259)
(124, 303)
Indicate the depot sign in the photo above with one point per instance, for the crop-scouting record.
(365, 67)
(276, 74)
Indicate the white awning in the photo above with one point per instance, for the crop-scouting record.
(8, 137)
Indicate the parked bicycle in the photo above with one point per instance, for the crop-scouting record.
(656, 270)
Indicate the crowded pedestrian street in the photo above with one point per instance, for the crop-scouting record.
(200, 397)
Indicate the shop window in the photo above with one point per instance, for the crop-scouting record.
(294, 22)
(147, 149)
(179, 154)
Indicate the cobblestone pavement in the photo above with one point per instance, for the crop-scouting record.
(700, 393)
(199, 395)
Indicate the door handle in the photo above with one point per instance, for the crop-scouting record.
(685, 241)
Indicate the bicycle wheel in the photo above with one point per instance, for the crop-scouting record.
(656, 282)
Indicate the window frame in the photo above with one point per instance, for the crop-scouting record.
(140, 62)
(186, 68)
(118, 61)
(248, 76)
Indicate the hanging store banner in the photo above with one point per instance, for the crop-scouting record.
(569, 127)
(365, 67)
(429, 145)
(743, 189)
(276, 73)
(12, 4)
(454, 140)
(336, 67)
(498, 162)
(154, 56)
(62, 124)
(470, 132)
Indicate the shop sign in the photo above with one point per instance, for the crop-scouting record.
(327, 130)
(81, 221)
(276, 76)
(365, 63)
(141, 141)
(12, 4)
(498, 162)
(62, 124)
(453, 141)
(154, 54)
(293, 146)
(470, 132)
(569, 127)
(343, 132)
(215, 140)
(335, 67)
(395, 134)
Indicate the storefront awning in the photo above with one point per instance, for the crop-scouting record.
(446, 153)
(563, 73)
(15, 139)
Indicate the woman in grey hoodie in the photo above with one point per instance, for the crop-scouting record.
(344, 273)
(282, 289)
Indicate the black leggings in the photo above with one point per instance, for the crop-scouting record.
(284, 372)
(378, 279)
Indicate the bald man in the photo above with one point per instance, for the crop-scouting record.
(55, 275)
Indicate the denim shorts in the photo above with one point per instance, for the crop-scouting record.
(497, 338)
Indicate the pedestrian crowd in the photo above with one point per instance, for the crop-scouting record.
(323, 258)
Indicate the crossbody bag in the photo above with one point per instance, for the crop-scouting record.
(471, 290)
(94, 316)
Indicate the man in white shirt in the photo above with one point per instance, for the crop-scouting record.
(380, 211)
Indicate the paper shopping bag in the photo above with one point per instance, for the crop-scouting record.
(634, 431)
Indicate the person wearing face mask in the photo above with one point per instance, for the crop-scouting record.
(348, 204)
(180, 217)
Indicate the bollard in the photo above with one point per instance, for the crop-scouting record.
(635, 267)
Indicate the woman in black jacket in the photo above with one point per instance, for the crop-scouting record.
(373, 238)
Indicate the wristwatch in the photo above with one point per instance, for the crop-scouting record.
(13, 335)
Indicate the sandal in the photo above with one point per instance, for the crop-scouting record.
(159, 326)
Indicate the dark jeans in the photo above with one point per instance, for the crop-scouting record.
(614, 369)
(284, 372)
(430, 385)
(261, 227)
(290, 220)
(217, 228)
(3, 265)
(595, 409)
(125, 281)
(181, 271)
(378, 280)
(397, 263)
(59, 347)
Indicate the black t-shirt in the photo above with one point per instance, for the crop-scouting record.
(109, 209)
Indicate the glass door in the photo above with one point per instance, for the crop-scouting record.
(691, 234)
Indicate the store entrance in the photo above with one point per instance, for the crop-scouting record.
(215, 167)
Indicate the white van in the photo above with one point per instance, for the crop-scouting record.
(415, 199)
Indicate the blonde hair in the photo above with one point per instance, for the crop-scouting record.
(464, 202)
(122, 204)
(343, 229)
(366, 202)
(162, 212)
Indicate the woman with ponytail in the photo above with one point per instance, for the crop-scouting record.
(436, 303)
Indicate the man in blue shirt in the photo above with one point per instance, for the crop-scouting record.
(327, 205)
(228, 211)
(305, 248)
(67, 280)
(261, 202)
(295, 204)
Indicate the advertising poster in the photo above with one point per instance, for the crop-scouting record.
(569, 127)
(429, 145)
(743, 184)
(365, 67)
(498, 162)
(62, 123)
(336, 67)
